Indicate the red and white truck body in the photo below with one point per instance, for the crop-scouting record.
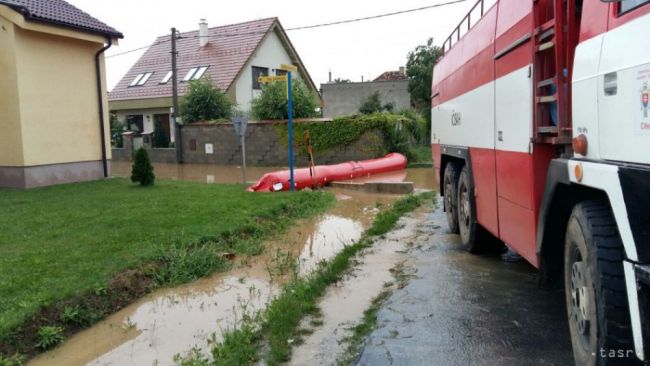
(543, 121)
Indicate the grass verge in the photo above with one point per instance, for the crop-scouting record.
(270, 334)
(72, 254)
(359, 332)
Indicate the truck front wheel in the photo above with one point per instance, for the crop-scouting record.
(594, 284)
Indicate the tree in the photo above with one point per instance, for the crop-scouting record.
(372, 104)
(419, 69)
(204, 102)
(342, 81)
(272, 104)
(117, 128)
(142, 170)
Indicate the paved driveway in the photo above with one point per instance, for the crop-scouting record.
(462, 309)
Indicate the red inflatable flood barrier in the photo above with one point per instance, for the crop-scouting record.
(323, 174)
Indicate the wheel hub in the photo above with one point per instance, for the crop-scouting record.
(580, 298)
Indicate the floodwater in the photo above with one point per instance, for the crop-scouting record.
(172, 321)
(344, 304)
(422, 178)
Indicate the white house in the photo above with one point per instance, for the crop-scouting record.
(233, 56)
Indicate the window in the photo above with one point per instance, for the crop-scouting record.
(135, 122)
(136, 80)
(190, 73)
(167, 77)
(141, 79)
(195, 73)
(281, 72)
(257, 72)
(199, 73)
(627, 5)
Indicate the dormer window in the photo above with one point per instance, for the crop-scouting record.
(141, 79)
(167, 77)
(195, 73)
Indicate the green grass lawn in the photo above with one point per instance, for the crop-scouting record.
(62, 241)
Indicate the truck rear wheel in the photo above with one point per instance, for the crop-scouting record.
(471, 233)
(595, 293)
(450, 184)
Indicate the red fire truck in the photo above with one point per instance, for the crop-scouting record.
(541, 138)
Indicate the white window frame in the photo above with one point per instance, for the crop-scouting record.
(144, 79)
(200, 72)
(167, 77)
(190, 74)
(136, 80)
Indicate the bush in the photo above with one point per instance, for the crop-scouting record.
(272, 104)
(49, 336)
(400, 132)
(373, 105)
(117, 128)
(142, 170)
(204, 102)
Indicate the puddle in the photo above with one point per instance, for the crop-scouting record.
(172, 321)
(423, 178)
(344, 304)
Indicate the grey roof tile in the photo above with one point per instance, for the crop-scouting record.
(61, 13)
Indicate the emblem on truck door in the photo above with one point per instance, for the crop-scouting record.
(455, 118)
(644, 99)
(642, 121)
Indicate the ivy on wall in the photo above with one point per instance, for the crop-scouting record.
(399, 131)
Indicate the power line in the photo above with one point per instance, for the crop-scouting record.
(134, 50)
(306, 26)
(375, 16)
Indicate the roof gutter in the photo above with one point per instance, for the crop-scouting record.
(100, 100)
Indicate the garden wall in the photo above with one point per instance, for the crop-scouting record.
(265, 146)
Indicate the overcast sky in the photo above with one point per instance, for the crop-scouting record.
(365, 48)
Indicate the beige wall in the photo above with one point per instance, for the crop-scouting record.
(11, 148)
(56, 114)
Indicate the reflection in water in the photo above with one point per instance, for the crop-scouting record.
(172, 321)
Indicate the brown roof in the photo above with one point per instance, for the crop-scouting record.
(60, 13)
(391, 76)
(228, 50)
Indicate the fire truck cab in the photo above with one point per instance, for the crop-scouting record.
(541, 138)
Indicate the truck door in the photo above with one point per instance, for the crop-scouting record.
(513, 122)
(624, 84)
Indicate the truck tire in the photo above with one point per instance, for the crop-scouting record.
(450, 189)
(594, 284)
(471, 233)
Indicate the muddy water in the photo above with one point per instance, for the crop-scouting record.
(172, 321)
(421, 177)
(344, 304)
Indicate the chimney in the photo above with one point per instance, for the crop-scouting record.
(402, 70)
(330, 76)
(203, 33)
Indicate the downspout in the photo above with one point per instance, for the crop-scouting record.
(100, 99)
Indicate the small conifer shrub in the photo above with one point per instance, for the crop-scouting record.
(142, 170)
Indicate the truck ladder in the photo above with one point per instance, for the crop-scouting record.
(553, 31)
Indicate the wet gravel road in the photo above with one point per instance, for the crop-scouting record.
(462, 309)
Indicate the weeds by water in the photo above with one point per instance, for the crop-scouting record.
(359, 332)
(271, 335)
